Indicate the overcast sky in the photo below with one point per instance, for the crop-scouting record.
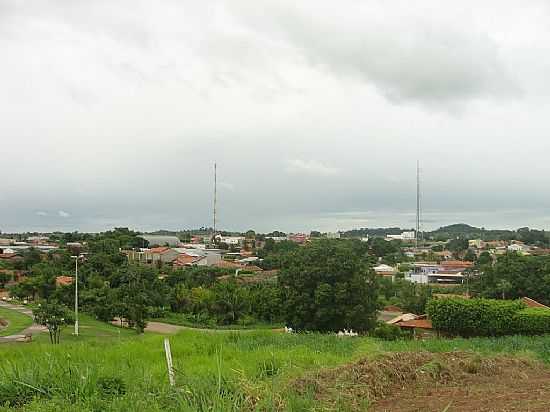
(112, 113)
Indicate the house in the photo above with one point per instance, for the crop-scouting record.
(333, 235)
(444, 273)
(188, 260)
(517, 247)
(476, 243)
(531, 303)
(64, 280)
(6, 242)
(420, 325)
(300, 238)
(162, 254)
(385, 270)
(405, 236)
(230, 240)
(224, 264)
(10, 256)
(450, 265)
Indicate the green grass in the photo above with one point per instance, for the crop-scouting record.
(16, 321)
(89, 329)
(230, 371)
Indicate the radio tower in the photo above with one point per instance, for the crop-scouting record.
(417, 233)
(215, 196)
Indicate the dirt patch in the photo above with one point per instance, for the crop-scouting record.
(3, 323)
(422, 381)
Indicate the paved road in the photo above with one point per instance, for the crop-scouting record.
(34, 329)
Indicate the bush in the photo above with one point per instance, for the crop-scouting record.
(388, 332)
(474, 317)
(532, 321)
(111, 386)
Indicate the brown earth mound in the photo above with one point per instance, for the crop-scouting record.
(422, 381)
(3, 323)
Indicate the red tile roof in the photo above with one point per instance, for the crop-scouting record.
(64, 280)
(533, 303)
(7, 255)
(416, 323)
(159, 250)
(186, 260)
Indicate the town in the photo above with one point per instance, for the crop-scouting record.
(409, 270)
(274, 206)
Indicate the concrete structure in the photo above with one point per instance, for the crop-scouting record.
(333, 235)
(230, 240)
(385, 270)
(158, 240)
(517, 247)
(444, 273)
(476, 243)
(405, 236)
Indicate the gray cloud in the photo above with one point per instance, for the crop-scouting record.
(316, 112)
(406, 54)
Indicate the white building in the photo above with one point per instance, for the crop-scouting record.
(384, 270)
(230, 240)
(517, 247)
(403, 236)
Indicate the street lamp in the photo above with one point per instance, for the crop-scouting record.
(76, 293)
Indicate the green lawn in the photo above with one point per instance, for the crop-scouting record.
(230, 371)
(16, 321)
(89, 329)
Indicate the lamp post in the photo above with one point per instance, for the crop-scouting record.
(76, 294)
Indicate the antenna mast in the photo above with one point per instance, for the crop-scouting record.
(215, 195)
(417, 234)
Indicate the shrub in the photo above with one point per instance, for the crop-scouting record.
(532, 321)
(474, 317)
(388, 332)
(111, 386)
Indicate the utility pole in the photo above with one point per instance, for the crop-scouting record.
(76, 295)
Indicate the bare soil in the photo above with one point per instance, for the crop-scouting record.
(426, 382)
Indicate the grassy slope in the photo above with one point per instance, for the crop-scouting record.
(214, 371)
(17, 321)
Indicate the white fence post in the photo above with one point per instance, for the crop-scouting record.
(168, 353)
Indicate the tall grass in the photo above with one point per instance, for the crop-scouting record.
(229, 371)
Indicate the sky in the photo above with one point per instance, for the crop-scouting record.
(316, 113)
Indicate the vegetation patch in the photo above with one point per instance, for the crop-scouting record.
(377, 383)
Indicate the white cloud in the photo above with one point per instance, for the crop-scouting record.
(62, 213)
(41, 213)
(311, 167)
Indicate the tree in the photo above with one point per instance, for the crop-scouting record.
(326, 286)
(381, 247)
(470, 255)
(54, 316)
(457, 246)
(4, 278)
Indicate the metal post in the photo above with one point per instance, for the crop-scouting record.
(76, 298)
